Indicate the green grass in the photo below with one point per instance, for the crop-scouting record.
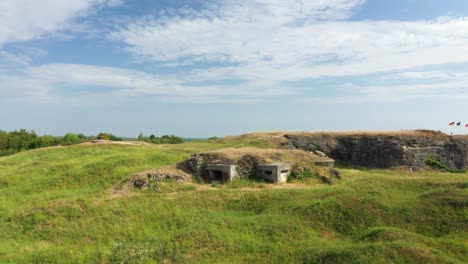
(440, 166)
(55, 208)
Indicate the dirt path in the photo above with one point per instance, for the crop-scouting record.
(127, 191)
(285, 186)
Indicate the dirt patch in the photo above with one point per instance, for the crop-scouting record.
(268, 155)
(123, 189)
(177, 173)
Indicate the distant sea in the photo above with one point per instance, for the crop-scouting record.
(194, 139)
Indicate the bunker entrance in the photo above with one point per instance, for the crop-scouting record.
(219, 173)
(215, 176)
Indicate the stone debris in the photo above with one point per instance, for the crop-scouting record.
(336, 174)
(140, 183)
(326, 179)
(247, 165)
(196, 161)
(161, 177)
(319, 153)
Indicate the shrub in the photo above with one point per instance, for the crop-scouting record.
(108, 136)
(19, 140)
(302, 176)
(71, 139)
(440, 166)
(165, 139)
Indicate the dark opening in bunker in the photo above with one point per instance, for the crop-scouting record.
(268, 172)
(217, 175)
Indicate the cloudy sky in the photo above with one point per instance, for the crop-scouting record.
(200, 68)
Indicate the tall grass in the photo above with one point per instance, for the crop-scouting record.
(55, 208)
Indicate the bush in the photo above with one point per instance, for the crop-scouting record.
(303, 176)
(108, 136)
(71, 139)
(20, 140)
(440, 166)
(165, 139)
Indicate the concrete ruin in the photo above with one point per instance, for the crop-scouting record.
(270, 165)
(275, 173)
(385, 149)
(221, 173)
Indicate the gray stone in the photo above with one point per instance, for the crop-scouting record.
(386, 150)
(326, 179)
(162, 176)
(320, 153)
(336, 174)
(140, 184)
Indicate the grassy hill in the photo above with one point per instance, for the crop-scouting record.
(60, 205)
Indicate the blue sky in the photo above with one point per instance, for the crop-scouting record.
(214, 68)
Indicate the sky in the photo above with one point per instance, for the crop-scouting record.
(203, 68)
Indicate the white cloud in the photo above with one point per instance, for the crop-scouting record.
(454, 87)
(24, 57)
(236, 31)
(263, 43)
(40, 83)
(418, 75)
(24, 20)
(278, 40)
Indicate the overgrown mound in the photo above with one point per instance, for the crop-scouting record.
(175, 173)
(247, 159)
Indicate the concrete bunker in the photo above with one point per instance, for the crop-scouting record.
(219, 173)
(276, 173)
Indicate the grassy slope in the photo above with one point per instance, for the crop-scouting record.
(54, 207)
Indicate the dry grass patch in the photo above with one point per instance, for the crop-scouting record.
(270, 155)
(278, 136)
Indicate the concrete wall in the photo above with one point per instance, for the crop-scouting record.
(230, 170)
(276, 173)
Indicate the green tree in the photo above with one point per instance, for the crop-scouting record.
(4, 140)
(47, 141)
(108, 136)
(71, 139)
(21, 139)
(141, 137)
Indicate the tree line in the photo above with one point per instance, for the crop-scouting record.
(20, 140)
(165, 139)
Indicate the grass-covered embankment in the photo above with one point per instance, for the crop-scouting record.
(55, 208)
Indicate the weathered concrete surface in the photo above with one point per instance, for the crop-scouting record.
(276, 173)
(247, 160)
(226, 172)
(385, 150)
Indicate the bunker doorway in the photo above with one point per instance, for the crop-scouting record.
(216, 176)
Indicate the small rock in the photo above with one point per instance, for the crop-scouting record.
(326, 179)
(336, 174)
(320, 153)
(161, 177)
(140, 184)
